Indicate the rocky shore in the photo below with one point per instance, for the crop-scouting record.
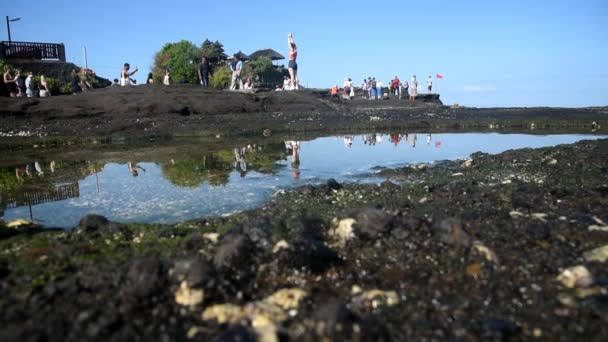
(508, 246)
(132, 113)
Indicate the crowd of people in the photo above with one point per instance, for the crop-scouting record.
(24, 85)
(374, 89)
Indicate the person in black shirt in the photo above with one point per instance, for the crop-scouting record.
(203, 72)
(75, 81)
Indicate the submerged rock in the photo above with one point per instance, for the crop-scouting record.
(599, 254)
(577, 276)
(186, 295)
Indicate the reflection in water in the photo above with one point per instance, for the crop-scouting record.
(177, 186)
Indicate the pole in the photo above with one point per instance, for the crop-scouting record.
(8, 28)
(86, 63)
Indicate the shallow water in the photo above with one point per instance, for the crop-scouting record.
(172, 185)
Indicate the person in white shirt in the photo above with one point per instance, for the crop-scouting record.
(414, 88)
(429, 81)
(29, 85)
(346, 86)
(167, 78)
(379, 88)
(125, 75)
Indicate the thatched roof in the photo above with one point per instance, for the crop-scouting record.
(242, 56)
(275, 56)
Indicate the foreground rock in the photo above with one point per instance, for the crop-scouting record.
(510, 249)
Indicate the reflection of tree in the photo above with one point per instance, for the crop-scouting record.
(8, 180)
(215, 168)
(192, 173)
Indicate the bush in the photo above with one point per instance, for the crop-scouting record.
(180, 58)
(221, 78)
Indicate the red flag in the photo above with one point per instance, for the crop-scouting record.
(439, 76)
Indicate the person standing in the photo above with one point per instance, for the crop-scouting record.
(167, 78)
(125, 75)
(84, 79)
(203, 72)
(406, 90)
(44, 88)
(150, 78)
(379, 89)
(396, 87)
(29, 85)
(75, 81)
(10, 81)
(236, 66)
(414, 91)
(293, 65)
(429, 82)
(374, 88)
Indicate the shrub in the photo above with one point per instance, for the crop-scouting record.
(221, 78)
(180, 58)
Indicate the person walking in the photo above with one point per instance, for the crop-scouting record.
(293, 65)
(203, 72)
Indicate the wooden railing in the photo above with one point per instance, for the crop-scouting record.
(24, 198)
(28, 50)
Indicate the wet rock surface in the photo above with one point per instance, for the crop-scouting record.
(512, 247)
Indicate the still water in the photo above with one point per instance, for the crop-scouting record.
(173, 186)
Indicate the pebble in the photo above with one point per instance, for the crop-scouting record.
(576, 276)
(212, 237)
(467, 163)
(187, 296)
(280, 245)
(18, 223)
(487, 253)
(344, 231)
(376, 297)
(599, 254)
(224, 313)
(457, 174)
(516, 214)
(287, 298)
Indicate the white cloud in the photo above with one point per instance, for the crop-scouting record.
(479, 89)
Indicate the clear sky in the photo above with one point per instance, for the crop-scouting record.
(491, 53)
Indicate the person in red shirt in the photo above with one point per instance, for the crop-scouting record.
(396, 86)
(293, 65)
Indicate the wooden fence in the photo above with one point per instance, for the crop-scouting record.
(26, 50)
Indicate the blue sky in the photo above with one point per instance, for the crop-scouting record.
(491, 53)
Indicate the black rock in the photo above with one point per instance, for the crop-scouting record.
(233, 333)
(145, 277)
(93, 224)
(196, 271)
(234, 251)
(502, 329)
(193, 242)
(450, 231)
(333, 184)
(309, 254)
(371, 223)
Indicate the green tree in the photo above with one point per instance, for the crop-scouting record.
(221, 78)
(214, 51)
(180, 58)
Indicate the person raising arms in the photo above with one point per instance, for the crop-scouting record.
(293, 65)
(125, 75)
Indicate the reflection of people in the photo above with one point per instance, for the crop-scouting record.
(133, 169)
(428, 139)
(293, 148)
(412, 139)
(240, 164)
(348, 140)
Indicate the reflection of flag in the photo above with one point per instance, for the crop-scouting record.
(439, 76)
(438, 143)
